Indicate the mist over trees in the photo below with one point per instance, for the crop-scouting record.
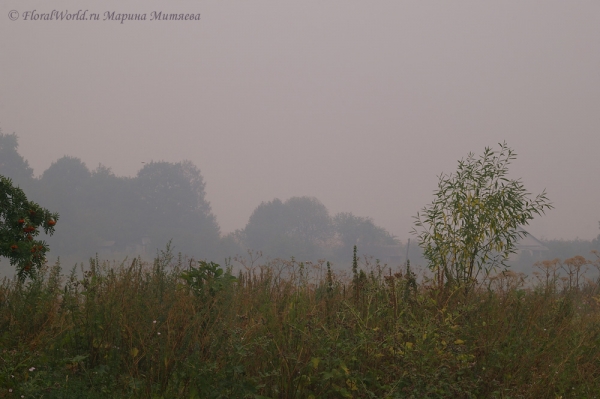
(564, 249)
(117, 216)
(299, 227)
(302, 227)
(123, 216)
(12, 164)
(101, 212)
(361, 231)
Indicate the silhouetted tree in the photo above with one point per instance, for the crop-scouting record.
(299, 227)
(173, 206)
(66, 179)
(307, 220)
(355, 230)
(114, 206)
(12, 164)
(361, 231)
(65, 186)
(102, 211)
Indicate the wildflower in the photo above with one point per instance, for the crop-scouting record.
(31, 369)
(154, 322)
(158, 333)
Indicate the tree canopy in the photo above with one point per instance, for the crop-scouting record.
(301, 227)
(12, 164)
(20, 223)
(473, 223)
(298, 227)
(164, 201)
(172, 201)
(100, 211)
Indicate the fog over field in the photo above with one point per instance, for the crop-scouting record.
(359, 104)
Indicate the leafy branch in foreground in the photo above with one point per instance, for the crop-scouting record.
(474, 222)
(20, 221)
(208, 276)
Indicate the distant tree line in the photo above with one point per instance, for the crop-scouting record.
(100, 211)
(564, 249)
(302, 227)
(104, 213)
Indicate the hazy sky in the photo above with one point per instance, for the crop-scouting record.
(361, 104)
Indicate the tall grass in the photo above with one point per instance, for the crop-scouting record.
(292, 330)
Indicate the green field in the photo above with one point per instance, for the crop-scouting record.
(178, 329)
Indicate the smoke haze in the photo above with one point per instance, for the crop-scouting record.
(359, 104)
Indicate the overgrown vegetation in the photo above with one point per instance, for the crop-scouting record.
(179, 328)
(476, 218)
(183, 328)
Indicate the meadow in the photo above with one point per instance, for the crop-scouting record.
(177, 328)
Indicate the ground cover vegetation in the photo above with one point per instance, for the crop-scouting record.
(180, 328)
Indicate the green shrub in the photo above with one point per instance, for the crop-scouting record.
(21, 221)
(473, 223)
